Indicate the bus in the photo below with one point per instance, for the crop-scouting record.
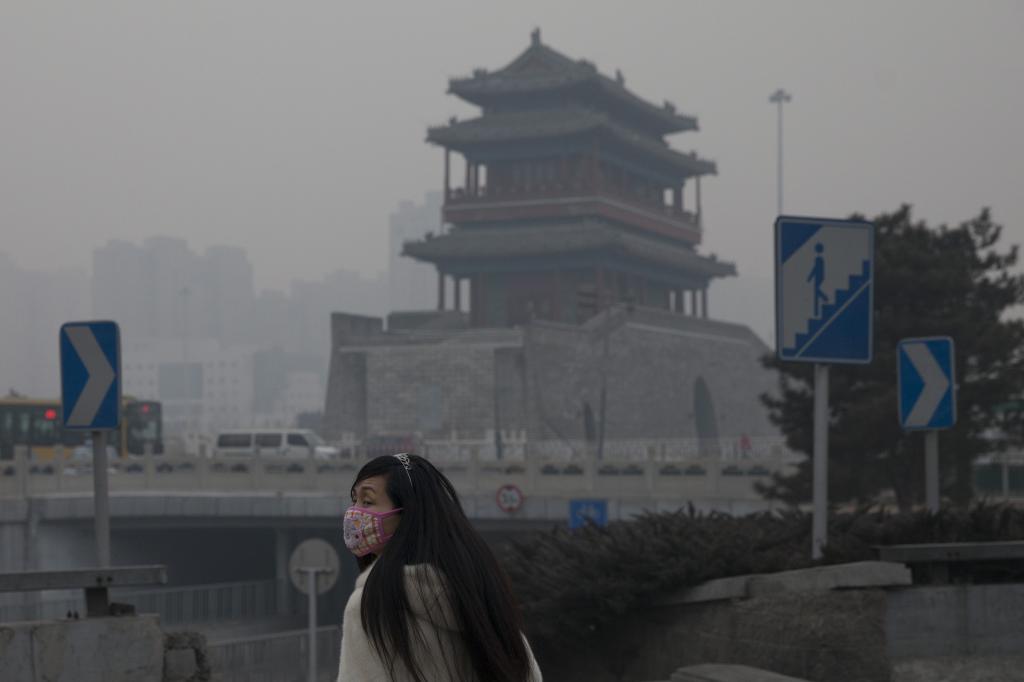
(35, 424)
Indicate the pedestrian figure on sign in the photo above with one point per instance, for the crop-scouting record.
(817, 276)
(432, 604)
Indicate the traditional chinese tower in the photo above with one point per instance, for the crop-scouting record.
(572, 199)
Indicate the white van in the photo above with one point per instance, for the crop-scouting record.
(290, 443)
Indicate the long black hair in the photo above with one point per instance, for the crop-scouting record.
(435, 531)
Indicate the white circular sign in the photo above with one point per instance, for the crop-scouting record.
(509, 498)
(314, 557)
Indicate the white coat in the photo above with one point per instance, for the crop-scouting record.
(441, 640)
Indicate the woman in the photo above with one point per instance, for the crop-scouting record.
(431, 604)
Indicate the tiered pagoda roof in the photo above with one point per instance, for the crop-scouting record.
(553, 239)
(541, 70)
(517, 126)
(543, 94)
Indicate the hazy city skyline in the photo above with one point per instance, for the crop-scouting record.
(243, 122)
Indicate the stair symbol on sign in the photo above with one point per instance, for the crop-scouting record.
(842, 296)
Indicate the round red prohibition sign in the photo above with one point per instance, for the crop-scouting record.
(509, 498)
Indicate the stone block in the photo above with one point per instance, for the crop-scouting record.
(712, 590)
(123, 649)
(823, 578)
(719, 672)
(859, 574)
(179, 665)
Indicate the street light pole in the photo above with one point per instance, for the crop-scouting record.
(780, 97)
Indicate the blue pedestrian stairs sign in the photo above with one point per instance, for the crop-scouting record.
(90, 375)
(824, 288)
(927, 383)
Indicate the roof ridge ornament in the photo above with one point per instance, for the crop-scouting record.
(535, 36)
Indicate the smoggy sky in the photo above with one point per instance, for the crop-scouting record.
(294, 128)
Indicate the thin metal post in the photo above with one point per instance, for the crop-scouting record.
(101, 498)
(1006, 476)
(311, 589)
(780, 97)
(779, 157)
(282, 547)
(931, 470)
(819, 534)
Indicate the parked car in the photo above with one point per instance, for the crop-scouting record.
(288, 443)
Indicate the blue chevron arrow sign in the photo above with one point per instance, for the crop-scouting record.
(927, 381)
(90, 375)
(824, 289)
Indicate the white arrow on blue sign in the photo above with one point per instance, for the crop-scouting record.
(90, 375)
(927, 383)
(824, 272)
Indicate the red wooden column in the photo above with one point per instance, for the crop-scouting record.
(700, 211)
(440, 290)
(447, 173)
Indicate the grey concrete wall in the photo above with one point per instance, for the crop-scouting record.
(434, 390)
(832, 636)
(437, 384)
(851, 623)
(651, 369)
(956, 620)
(124, 649)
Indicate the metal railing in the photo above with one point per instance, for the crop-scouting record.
(722, 468)
(280, 657)
(94, 586)
(191, 605)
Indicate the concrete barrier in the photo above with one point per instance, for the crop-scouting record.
(115, 649)
(858, 622)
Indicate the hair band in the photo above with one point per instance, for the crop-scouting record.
(404, 459)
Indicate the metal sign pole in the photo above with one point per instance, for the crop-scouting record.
(311, 590)
(101, 498)
(819, 529)
(931, 470)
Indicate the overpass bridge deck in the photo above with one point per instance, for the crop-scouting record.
(310, 488)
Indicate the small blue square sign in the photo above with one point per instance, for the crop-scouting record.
(582, 511)
(90, 375)
(824, 288)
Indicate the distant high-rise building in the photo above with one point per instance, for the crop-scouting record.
(123, 288)
(411, 284)
(226, 282)
(33, 305)
(164, 290)
(212, 390)
(178, 289)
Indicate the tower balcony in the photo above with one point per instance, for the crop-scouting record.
(560, 201)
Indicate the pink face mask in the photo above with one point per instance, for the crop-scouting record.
(364, 530)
